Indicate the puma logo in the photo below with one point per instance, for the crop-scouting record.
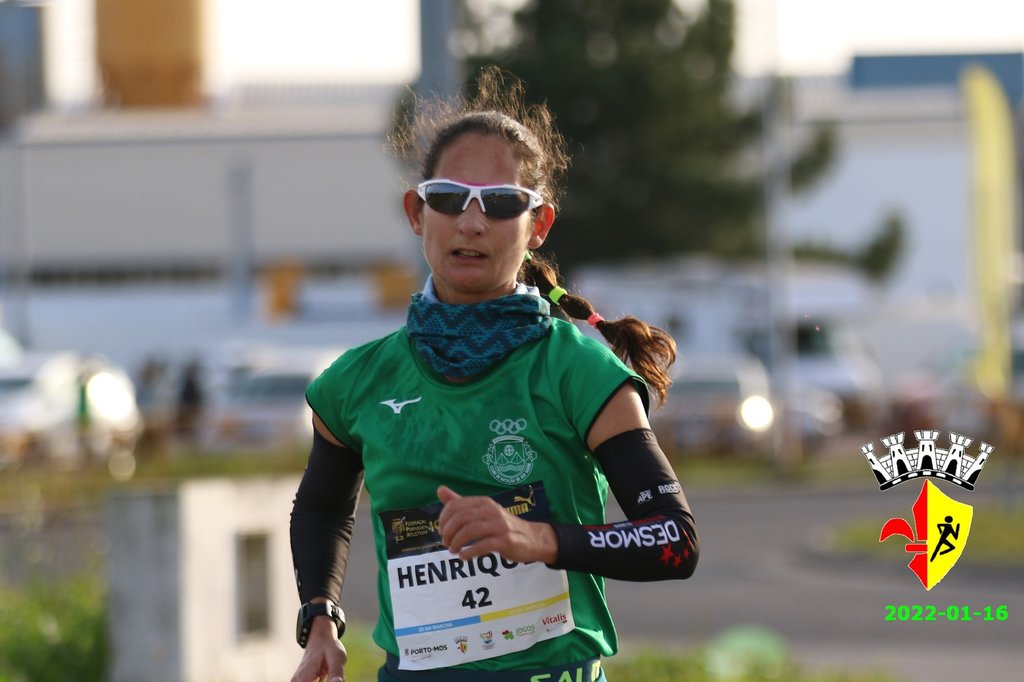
(528, 500)
(397, 406)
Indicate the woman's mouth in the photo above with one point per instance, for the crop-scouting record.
(467, 253)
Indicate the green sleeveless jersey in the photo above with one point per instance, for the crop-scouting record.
(523, 421)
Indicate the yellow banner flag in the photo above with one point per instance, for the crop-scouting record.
(994, 216)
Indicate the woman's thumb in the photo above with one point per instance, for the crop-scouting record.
(446, 494)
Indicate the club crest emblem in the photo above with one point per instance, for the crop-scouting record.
(509, 457)
(938, 535)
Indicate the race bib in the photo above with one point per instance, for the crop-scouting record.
(449, 611)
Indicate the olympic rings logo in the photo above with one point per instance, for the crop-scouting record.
(512, 426)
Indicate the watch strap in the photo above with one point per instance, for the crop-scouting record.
(309, 611)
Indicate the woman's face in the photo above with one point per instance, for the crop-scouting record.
(474, 257)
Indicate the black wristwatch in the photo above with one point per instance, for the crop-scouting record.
(309, 611)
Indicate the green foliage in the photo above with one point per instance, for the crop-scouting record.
(50, 633)
(877, 259)
(643, 90)
(816, 157)
(640, 91)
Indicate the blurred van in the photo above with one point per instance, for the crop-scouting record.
(10, 350)
(66, 408)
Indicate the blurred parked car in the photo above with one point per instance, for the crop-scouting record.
(262, 405)
(944, 395)
(10, 350)
(725, 404)
(716, 404)
(832, 357)
(65, 408)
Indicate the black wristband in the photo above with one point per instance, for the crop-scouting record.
(309, 611)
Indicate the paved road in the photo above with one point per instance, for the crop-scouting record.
(758, 565)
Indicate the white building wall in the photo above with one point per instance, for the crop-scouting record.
(917, 169)
(131, 190)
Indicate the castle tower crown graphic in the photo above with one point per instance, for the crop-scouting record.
(952, 464)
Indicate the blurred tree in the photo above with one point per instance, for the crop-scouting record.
(876, 259)
(645, 94)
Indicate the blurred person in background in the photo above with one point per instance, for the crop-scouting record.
(83, 411)
(156, 399)
(190, 401)
(488, 433)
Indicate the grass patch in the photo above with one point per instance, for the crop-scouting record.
(87, 486)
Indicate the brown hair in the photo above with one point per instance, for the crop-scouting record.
(499, 108)
(648, 350)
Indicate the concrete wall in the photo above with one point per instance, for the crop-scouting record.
(176, 593)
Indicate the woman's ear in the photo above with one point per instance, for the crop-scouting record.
(413, 206)
(541, 221)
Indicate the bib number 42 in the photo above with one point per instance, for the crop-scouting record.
(479, 597)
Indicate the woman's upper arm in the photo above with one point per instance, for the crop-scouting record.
(322, 429)
(623, 412)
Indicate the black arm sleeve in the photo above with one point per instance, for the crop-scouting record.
(323, 515)
(658, 542)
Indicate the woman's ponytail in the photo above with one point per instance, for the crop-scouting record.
(648, 350)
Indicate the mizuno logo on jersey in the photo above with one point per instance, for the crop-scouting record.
(398, 405)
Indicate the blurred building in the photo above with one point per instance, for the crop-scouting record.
(157, 178)
(277, 175)
(904, 149)
(21, 61)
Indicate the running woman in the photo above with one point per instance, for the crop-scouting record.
(488, 432)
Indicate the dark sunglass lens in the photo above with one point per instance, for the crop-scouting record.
(446, 198)
(505, 203)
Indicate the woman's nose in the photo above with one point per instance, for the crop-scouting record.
(473, 218)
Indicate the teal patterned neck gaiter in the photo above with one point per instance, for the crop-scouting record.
(459, 341)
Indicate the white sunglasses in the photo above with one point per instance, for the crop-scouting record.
(498, 201)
